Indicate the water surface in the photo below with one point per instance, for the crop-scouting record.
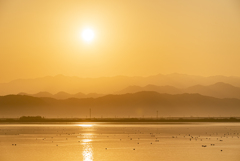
(120, 141)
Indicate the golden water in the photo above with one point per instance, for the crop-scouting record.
(120, 142)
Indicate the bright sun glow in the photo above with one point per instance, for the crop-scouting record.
(84, 125)
(87, 35)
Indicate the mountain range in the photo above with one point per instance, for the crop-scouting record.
(121, 96)
(107, 85)
(63, 95)
(138, 104)
(218, 90)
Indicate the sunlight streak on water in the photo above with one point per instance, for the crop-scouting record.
(84, 125)
(87, 152)
(86, 140)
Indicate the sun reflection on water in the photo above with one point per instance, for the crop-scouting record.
(87, 152)
(85, 125)
(86, 140)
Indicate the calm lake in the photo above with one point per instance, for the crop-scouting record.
(120, 142)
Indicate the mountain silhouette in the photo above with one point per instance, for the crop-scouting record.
(63, 95)
(137, 104)
(218, 90)
(42, 94)
(159, 89)
(106, 85)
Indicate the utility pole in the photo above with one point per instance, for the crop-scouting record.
(90, 113)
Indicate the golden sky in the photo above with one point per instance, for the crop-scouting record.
(137, 37)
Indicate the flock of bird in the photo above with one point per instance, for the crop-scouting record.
(87, 135)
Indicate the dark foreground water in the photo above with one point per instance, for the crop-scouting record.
(120, 142)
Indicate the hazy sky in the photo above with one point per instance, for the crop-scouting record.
(137, 37)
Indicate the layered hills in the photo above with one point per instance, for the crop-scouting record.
(140, 104)
(170, 95)
(63, 95)
(106, 85)
(218, 90)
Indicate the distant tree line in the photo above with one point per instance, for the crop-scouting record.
(177, 119)
(29, 118)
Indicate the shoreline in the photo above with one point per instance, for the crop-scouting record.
(144, 120)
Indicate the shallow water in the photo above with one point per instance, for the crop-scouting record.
(120, 141)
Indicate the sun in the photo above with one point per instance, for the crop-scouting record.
(87, 35)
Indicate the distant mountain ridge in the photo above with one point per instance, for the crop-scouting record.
(63, 95)
(136, 104)
(218, 90)
(159, 89)
(106, 85)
